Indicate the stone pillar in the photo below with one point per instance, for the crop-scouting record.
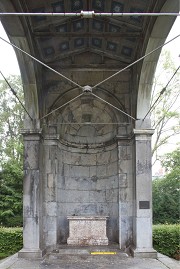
(125, 191)
(142, 229)
(31, 196)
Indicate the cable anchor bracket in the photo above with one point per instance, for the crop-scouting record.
(87, 89)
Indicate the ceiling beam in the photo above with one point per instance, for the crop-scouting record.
(86, 34)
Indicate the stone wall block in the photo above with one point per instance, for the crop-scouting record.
(103, 209)
(51, 238)
(79, 171)
(65, 209)
(53, 152)
(51, 195)
(47, 166)
(87, 209)
(50, 181)
(123, 182)
(112, 195)
(88, 159)
(51, 209)
(50, 223)
(103, 157)
(113, 209)
(66, 170)
(101, 171)
(70, 183)
(107, 183)
(73, 196)
(67, 157)
(114, 155)
(124, 206)
(125, 166)
(86, 184)
(93, 171)
(130, 180)
(130, 194)
(123, 194)
(112, 169)
(97, 196)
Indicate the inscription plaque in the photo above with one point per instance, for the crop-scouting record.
(144, 204)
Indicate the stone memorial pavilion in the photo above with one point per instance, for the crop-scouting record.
(87, 138)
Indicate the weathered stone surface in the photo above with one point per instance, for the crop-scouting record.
(89, 230)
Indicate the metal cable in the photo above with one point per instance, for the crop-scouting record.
(115, 74)
(92, 123)
(15, 94)
(99, 82)
(87, 14)
(94, 85)
(62, 106)
(113, 106)
(71, 81)
(161, 92)
(94, 96)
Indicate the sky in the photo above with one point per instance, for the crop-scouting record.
(8, 61)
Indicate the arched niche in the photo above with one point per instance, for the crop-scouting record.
(87, 120)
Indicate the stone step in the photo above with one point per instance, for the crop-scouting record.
(109, 250)
(79, 257)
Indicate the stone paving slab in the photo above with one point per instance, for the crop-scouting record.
(170, 263)
(89, 262)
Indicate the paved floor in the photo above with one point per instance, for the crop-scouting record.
(90, 262)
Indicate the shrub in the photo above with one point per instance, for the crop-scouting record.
(11, 241)
(166, 239)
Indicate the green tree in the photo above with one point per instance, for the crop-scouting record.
(11, 153)
(165, 116)
(11, 120)
(11, 194)
(166, 191)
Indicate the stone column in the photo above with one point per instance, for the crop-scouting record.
(31, 196)
(142, 229)
(125, 191)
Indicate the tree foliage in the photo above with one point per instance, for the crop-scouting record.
(11, 151)
(165, 116)
(166, 191)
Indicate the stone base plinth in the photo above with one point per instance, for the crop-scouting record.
(31, 253)
(87, 231)
(144, 253)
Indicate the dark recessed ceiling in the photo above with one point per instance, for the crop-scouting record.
(114, 37)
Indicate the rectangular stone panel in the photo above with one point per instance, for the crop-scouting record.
(87, 230)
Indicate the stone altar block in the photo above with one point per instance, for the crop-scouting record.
(87, 230)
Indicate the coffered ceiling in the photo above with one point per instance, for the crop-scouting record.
(62, 38)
